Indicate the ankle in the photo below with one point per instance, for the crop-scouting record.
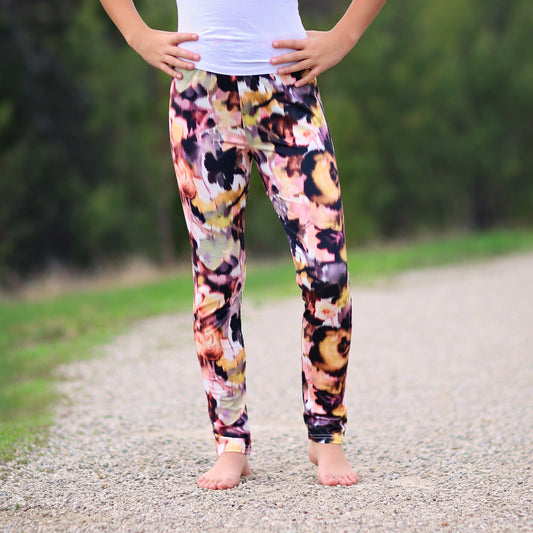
(326, 447)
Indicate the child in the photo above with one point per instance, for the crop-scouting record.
(244, 88)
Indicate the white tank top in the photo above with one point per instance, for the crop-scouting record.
(235, 36)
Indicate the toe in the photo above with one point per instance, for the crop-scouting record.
(207, 483)
(354, 478)
(329, 480)
(346, 479)
(225, 484)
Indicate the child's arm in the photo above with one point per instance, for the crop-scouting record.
(321, 50)
(159, 48)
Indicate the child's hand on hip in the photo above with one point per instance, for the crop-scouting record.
(317, 52)
(161, 49)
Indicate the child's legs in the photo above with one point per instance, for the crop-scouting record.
(295, 156)
(212, 168)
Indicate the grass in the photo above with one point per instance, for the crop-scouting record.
(37, 336)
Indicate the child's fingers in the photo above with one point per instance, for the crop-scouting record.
(181, 37)
(176, 62)
(183, 54)
(295, 44)
(309, 77)
(288, 58)
(164, 67)
(296, 67)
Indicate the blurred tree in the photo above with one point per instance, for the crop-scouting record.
(133, 207)
(430, 119)
(46, 162)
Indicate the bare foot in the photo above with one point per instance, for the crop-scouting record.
(333, 467)
(226, 472)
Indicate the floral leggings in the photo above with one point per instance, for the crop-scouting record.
(218, 124)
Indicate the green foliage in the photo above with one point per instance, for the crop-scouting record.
(45, 163)
(431, 119)
(430, 115)
(85, 172)
(134, 204)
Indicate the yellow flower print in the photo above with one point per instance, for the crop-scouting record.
(333, 349)
(178, 130)
(325, 179)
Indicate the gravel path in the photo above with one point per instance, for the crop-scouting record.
(441, 421)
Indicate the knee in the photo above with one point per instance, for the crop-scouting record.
(328, 281)
(217, 296)
(216, 302)
(327, 297)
